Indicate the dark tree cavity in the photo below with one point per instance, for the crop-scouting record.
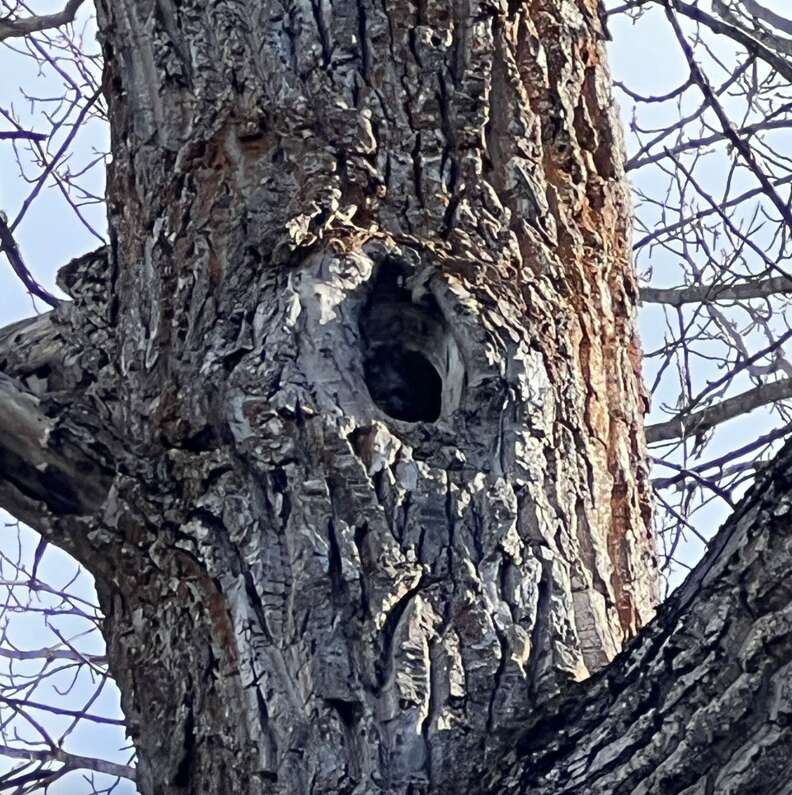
(404, 384)
(413, 366)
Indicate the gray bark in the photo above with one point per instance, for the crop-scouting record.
(704, 293)
(55, 451)
(356, 385)
(700, 703)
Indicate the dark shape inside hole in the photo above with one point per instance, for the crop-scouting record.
(404, 384)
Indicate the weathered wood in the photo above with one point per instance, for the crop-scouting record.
(324, 569)
(51, 460)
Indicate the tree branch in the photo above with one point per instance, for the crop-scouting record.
(51, 444)
(41, 469)
(703, 293)
(700, 702)
(71, 761)
(25, 135)
(692, 11)
(766, 15)
(714, 104)
(49, 654)
(14, 28)
(721, 461)
(30, 346)
(687, 424)
(700, 215)
(20, 704)
(9, 247)
(697, 144)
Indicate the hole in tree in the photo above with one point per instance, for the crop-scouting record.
(412, 366)
(404, 384)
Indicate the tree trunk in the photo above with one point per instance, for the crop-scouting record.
(347, 421)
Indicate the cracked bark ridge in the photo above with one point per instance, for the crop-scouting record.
(306, 593)
(701, 702)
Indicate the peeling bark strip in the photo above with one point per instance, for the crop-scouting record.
(364, 342)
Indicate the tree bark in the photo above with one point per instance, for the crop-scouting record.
(361, 364)
(700, 703)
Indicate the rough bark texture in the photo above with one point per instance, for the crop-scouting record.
(361, 363)
(701, 702)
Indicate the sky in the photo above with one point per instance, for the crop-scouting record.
(50, 235)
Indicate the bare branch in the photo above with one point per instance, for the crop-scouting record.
(766, 15)
(52, 654)
(708, 140)
(686, 424)
(62, 150)
(14, 28)
(694, 12)
(678, 226)
(712, 101)
(9, 247)
(676, 296)
(26, 135)
(71, 761)
(26, 704)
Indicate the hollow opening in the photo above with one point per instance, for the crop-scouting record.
(404, 384)
(412, 365)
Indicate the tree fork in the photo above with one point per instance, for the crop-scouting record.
(700, 701)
